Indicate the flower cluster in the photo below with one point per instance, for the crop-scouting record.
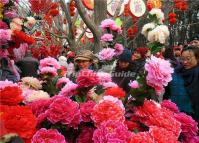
(31, 82)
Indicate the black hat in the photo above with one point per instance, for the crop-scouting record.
(125, 56)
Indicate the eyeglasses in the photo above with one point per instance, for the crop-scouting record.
(187, 59)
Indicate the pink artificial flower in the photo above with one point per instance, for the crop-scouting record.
(49, 62)
(86, 135)
(86, 109)
(107, 110)
(48, 136)
(114, 100)
(107, 23)
(107, 54)
(87, 78)
(107, 38)
(111, 132)
(62, 81)
(104, 77)
(188, 124)
(4, 2)
(69, 89)
(116, 28)
(118, 49)
(159, 73)
(5, 36)
(170, 105)
(21, 51)
(141, 137)
(109, 85)
(3, 25)
(6, 83)
(16, 24)
(64, 110)
(10, 14)
(49, 70)
(3, 53)
(134, 84)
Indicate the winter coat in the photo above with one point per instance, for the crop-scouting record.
(7, 74)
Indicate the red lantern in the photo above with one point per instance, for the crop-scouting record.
(172, 18)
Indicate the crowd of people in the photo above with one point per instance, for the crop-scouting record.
(182, 90)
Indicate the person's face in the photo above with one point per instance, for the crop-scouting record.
(84, 64)
(177, 52)
(195, 43)
(136, 56)
(188, 59)
(123, 64)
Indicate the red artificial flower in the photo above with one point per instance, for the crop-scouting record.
(141, 137)
(19, 120)
(107, 110)
(11, 95)
(40, 6)
(172, 15)
(115, 92)
(172, 20)
(54, 5)
(132, 126)
(86, 109)
(53, 12)
(22, 37)
(48, 19)
(86, 135)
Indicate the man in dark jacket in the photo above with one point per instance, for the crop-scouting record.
(124, 71)
(28, 65)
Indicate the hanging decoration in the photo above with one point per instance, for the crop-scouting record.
(154, 4)
(137, 7)
(89, 4)
(112, 6)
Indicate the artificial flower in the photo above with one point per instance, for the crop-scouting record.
(32, 82)
(147, 27)
(62, 81)
(49, 71)
(158, 13)
(115, 92)
(37, 95)
(86, 135)
(107, 38)
(107, 54)
(86, 109)
(107, 23)
(69, 89)
(118, 49)
(134, 84)
(49, 62)
(170, 105)
(104, 77)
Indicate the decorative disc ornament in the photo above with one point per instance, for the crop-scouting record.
(112, 6)
(89, 4)
(137, 7)
(155, 3)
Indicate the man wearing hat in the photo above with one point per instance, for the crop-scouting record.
(195, 41)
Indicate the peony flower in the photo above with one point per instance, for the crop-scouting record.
(32, 82)
(86, 135)
(69, 89)
(107, 23)
(62, 81)
(114, 100)
(48, 136)
(4, 2)
(107, 38)
(161, 135)
(87, 78)
(134, 84)
(158, 13)
(107, 54)
(115, 92)
(170, 105)
(159, 34)
(104, 77)
(188, 125)
(107, 110)
(5, 36)
(6, 83)
(49, 70)
(111, 131)
(159, 73)
(16, 24)
(37, 95)
(19, 120)
(151, 114)
(30, 22)
(140, 137)
(118, 49)
(64, 110)
(86, 109)
(11, 95)
(116, 28)
(3, 25)
(49, 62)
(10, 14)
(109, 85)
(147, 27)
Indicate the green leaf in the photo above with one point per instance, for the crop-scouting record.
(77, 23)
(118, 22)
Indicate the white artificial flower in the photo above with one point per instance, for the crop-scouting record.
(159, 34)
(37, 95)
(147, 27)
(32, 82)
(159, 14)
